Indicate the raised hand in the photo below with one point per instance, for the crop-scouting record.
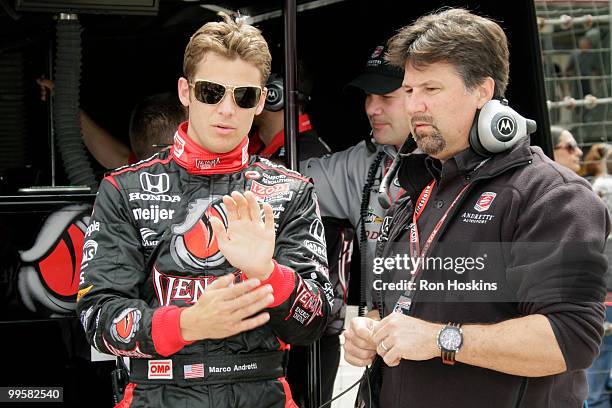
(248, 242)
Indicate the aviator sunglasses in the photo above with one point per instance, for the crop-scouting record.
(212, 93)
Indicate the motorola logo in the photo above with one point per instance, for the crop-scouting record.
(505, 125)
(273, 95)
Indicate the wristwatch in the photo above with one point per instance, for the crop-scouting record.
(450, 340)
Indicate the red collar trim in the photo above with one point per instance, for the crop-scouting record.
(197, 160)
(278, 140)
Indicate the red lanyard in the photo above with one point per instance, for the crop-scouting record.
(414, 230)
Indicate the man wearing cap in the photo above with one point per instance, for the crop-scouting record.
(345, 180)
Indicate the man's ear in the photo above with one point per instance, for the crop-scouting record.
(486, 90)
(183, 91)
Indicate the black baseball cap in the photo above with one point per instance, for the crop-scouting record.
(379, 77)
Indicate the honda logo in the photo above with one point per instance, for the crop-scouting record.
(505, 126)
(155, 183)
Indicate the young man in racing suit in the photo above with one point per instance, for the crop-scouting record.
(190, 283)
(342, 178)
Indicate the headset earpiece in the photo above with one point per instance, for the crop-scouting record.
(497, 127)
(474, 140)
(275, 99)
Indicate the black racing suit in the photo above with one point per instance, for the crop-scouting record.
(150, 251)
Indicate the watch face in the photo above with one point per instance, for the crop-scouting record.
(450, 339)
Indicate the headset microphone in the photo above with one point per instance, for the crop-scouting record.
(369, 143)
(408, 147)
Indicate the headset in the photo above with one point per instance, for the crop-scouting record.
(496, 128)
(275, 99)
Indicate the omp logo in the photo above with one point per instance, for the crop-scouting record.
(505, 125)
(155, 183)
(160, 369)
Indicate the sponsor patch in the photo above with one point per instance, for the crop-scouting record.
(160, 370)
(153, 213)
(316, 248)
(266, 191)
(170, 289)
(154, 197)
(307, 305)
(93, 227)
(485, 201)
(207, 164)
(126, 325)
(317, 231)
(147, 234)
(90, 247)
(155, 183)
(273, 193)
(270, 179)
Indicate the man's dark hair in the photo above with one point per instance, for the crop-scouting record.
(154, 121)
(476, 46)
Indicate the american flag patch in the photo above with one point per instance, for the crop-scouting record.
(194, 370)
